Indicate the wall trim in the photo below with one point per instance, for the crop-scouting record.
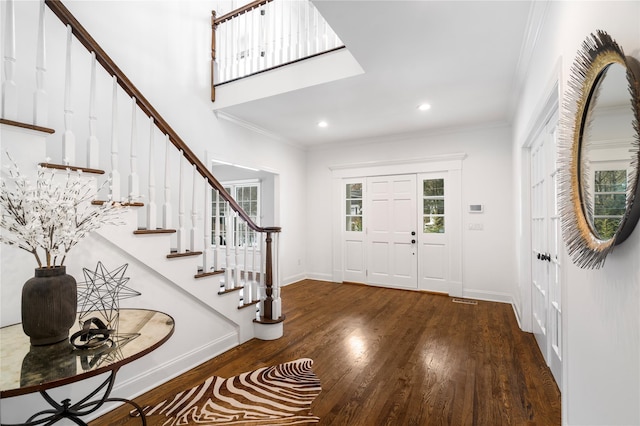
(415, 164)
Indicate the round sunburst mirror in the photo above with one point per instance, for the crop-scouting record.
(600, 151)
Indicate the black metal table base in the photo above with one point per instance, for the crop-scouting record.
(74, 412)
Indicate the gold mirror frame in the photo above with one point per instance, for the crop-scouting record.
(597, 53)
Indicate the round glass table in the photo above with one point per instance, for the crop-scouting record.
(25, 368)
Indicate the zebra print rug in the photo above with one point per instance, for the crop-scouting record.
(277, 395)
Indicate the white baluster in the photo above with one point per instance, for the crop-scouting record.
(253, 282)
(40, 98)
(236, 251)
(115, 173)
(271, 35)
(227, 249)
(235, 73)
(134, 179)
(151, 204)
(253, 49)
(245, 264)
(294, 13)
(93, 145)
(9, 88)
(223, 53)
(262, 53)
(305, 31)
(216, 232)
(180, 233)
(279, 36)
(208, 254)
(241, 42)
(194, 212)
(286, 32)
(167, 219)
(68, 138)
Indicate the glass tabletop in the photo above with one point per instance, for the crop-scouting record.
(25, 368)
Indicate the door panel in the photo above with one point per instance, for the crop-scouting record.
(391, 208)
(545, 268)
(433, 257)
(354, 260)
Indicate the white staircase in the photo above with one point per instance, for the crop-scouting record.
(144, 157)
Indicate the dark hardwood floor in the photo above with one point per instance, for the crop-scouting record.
(393, 357)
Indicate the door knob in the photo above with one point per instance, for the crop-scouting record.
(413, 232)
(413, 241)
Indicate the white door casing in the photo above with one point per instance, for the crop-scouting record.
(448, 164)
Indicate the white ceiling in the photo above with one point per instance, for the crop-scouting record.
(462, 57)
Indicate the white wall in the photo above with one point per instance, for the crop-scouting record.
(486, 179)
(601, 309)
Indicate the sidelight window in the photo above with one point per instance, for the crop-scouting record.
(353, 204)
(433, 206)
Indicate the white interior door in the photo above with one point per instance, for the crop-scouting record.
(545, 246)
(391, 231)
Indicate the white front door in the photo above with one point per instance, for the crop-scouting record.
(545, 247)
(391, 231)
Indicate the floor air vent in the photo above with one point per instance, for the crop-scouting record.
(465, 301)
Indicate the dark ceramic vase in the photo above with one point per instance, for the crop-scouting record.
(49, 304)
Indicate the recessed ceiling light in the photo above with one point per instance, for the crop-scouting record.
(424, 107)
(322, 124)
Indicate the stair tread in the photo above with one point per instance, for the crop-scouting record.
(27, 126)
(122, 203)
(246, 305)
(73, 168)
(184, 254)
(154, 231)
(208, 274)
(231, 290)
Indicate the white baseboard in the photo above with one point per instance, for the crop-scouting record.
(293, 279)
(320, 277)
(489, 296)
(162, 373)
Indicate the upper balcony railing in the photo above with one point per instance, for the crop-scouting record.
(264, 35)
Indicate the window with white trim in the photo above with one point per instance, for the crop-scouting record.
(247, 195)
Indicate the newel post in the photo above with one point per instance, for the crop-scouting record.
(268, 276)
(269, 325)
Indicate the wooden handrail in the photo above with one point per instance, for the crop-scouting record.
(239, 11)
(107, 63)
